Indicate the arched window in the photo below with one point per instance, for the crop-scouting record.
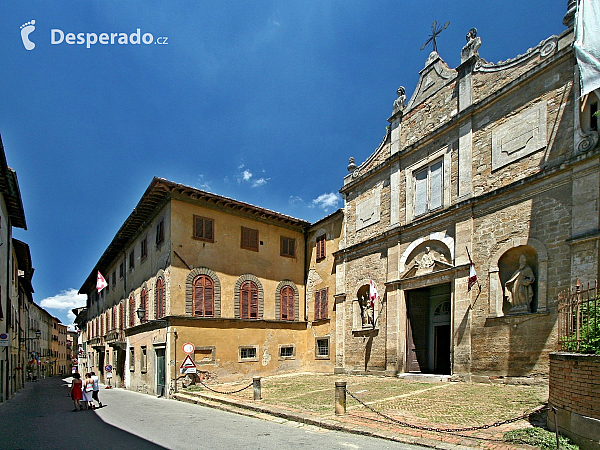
(144, 304)
(287, 303)
(131, 311)
(160, 298)
(204, 298)
(249, 300)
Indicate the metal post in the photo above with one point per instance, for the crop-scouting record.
(340, 398)
(257, 388)
(556, 428)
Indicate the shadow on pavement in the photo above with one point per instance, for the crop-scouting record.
(41, 416)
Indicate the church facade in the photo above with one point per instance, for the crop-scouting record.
(491, 163)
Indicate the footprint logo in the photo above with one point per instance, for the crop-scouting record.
(26, 30)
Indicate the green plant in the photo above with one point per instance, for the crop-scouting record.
(589, 334)
(538, 437)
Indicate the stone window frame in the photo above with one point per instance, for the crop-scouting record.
(144, 359)
(189, 290)
(132, 359)
(248, 359)
(280, 286)
(286, 357)
(322, 338)
(212, 360)
(238, 284)
(445, 154)
(160, 276)
(496, 292)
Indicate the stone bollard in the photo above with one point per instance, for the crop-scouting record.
(257, 389)
(340, 398)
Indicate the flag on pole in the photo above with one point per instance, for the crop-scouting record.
(100, 282)
(372, 294)
(472, 273)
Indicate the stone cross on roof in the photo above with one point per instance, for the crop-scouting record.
(435, 31)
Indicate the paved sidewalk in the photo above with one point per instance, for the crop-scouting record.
(309, 399)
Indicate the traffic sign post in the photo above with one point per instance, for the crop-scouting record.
(188, 365)
(108, 369)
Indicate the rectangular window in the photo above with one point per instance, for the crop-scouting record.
(160, 232)
(114, 278)
(286, 352)
(288, 247)
(204, 355)
(121, 270)
(248, 353)
(320, 244)
(321, 304)
(428, 188)
(144, 361)
(144, 249)
(250, 239)
(131, 259)
(204, 228)
(131, 359)
(322, 348)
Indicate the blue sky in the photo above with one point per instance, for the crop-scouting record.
(262, 101)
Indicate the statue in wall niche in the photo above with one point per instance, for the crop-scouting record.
(366, 312)
(519, 287)
(399, 102)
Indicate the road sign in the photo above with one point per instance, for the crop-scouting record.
(190, 370)
(188, 363)
(108, 368)
(4, 340)
(188, 348)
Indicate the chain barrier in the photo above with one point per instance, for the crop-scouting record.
(226, 393)
(447, 430)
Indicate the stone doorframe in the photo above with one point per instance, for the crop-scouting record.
(496, 295)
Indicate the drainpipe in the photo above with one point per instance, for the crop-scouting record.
(306, 264)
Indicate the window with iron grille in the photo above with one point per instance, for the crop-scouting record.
(131, 311)
(249, 300)
(204, 228)
(321, 304)
(203, 296)
(248, 353)
(160, 298)
(144, 249)
(131, 260)
(322, 348)
(160, 232)
(288, 247)
(144, 304)
(287, 303)
(286, 351)
(249, 239)
(320, 244)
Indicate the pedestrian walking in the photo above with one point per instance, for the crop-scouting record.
(76, 392)
(88, 387)
(96, 390)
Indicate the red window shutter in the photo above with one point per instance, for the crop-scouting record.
(121, 316)
(199, 227)
(324, 304)
(131, 312)
(160, 298)
(208, 300)
(254, 305)
(144, 304)
(317, 305)
(208, 229)
(203, 296)
(287, 303)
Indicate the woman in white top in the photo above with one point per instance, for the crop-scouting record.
(87, 388)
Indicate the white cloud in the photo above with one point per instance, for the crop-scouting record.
(246, 175)
(203, 184)
(326, 201)
(260, 182)
(295, 200)
(67, 299)
(241, 166)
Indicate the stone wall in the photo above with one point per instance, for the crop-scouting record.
(575, 396)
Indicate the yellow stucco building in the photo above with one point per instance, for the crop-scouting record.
(250, 288)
